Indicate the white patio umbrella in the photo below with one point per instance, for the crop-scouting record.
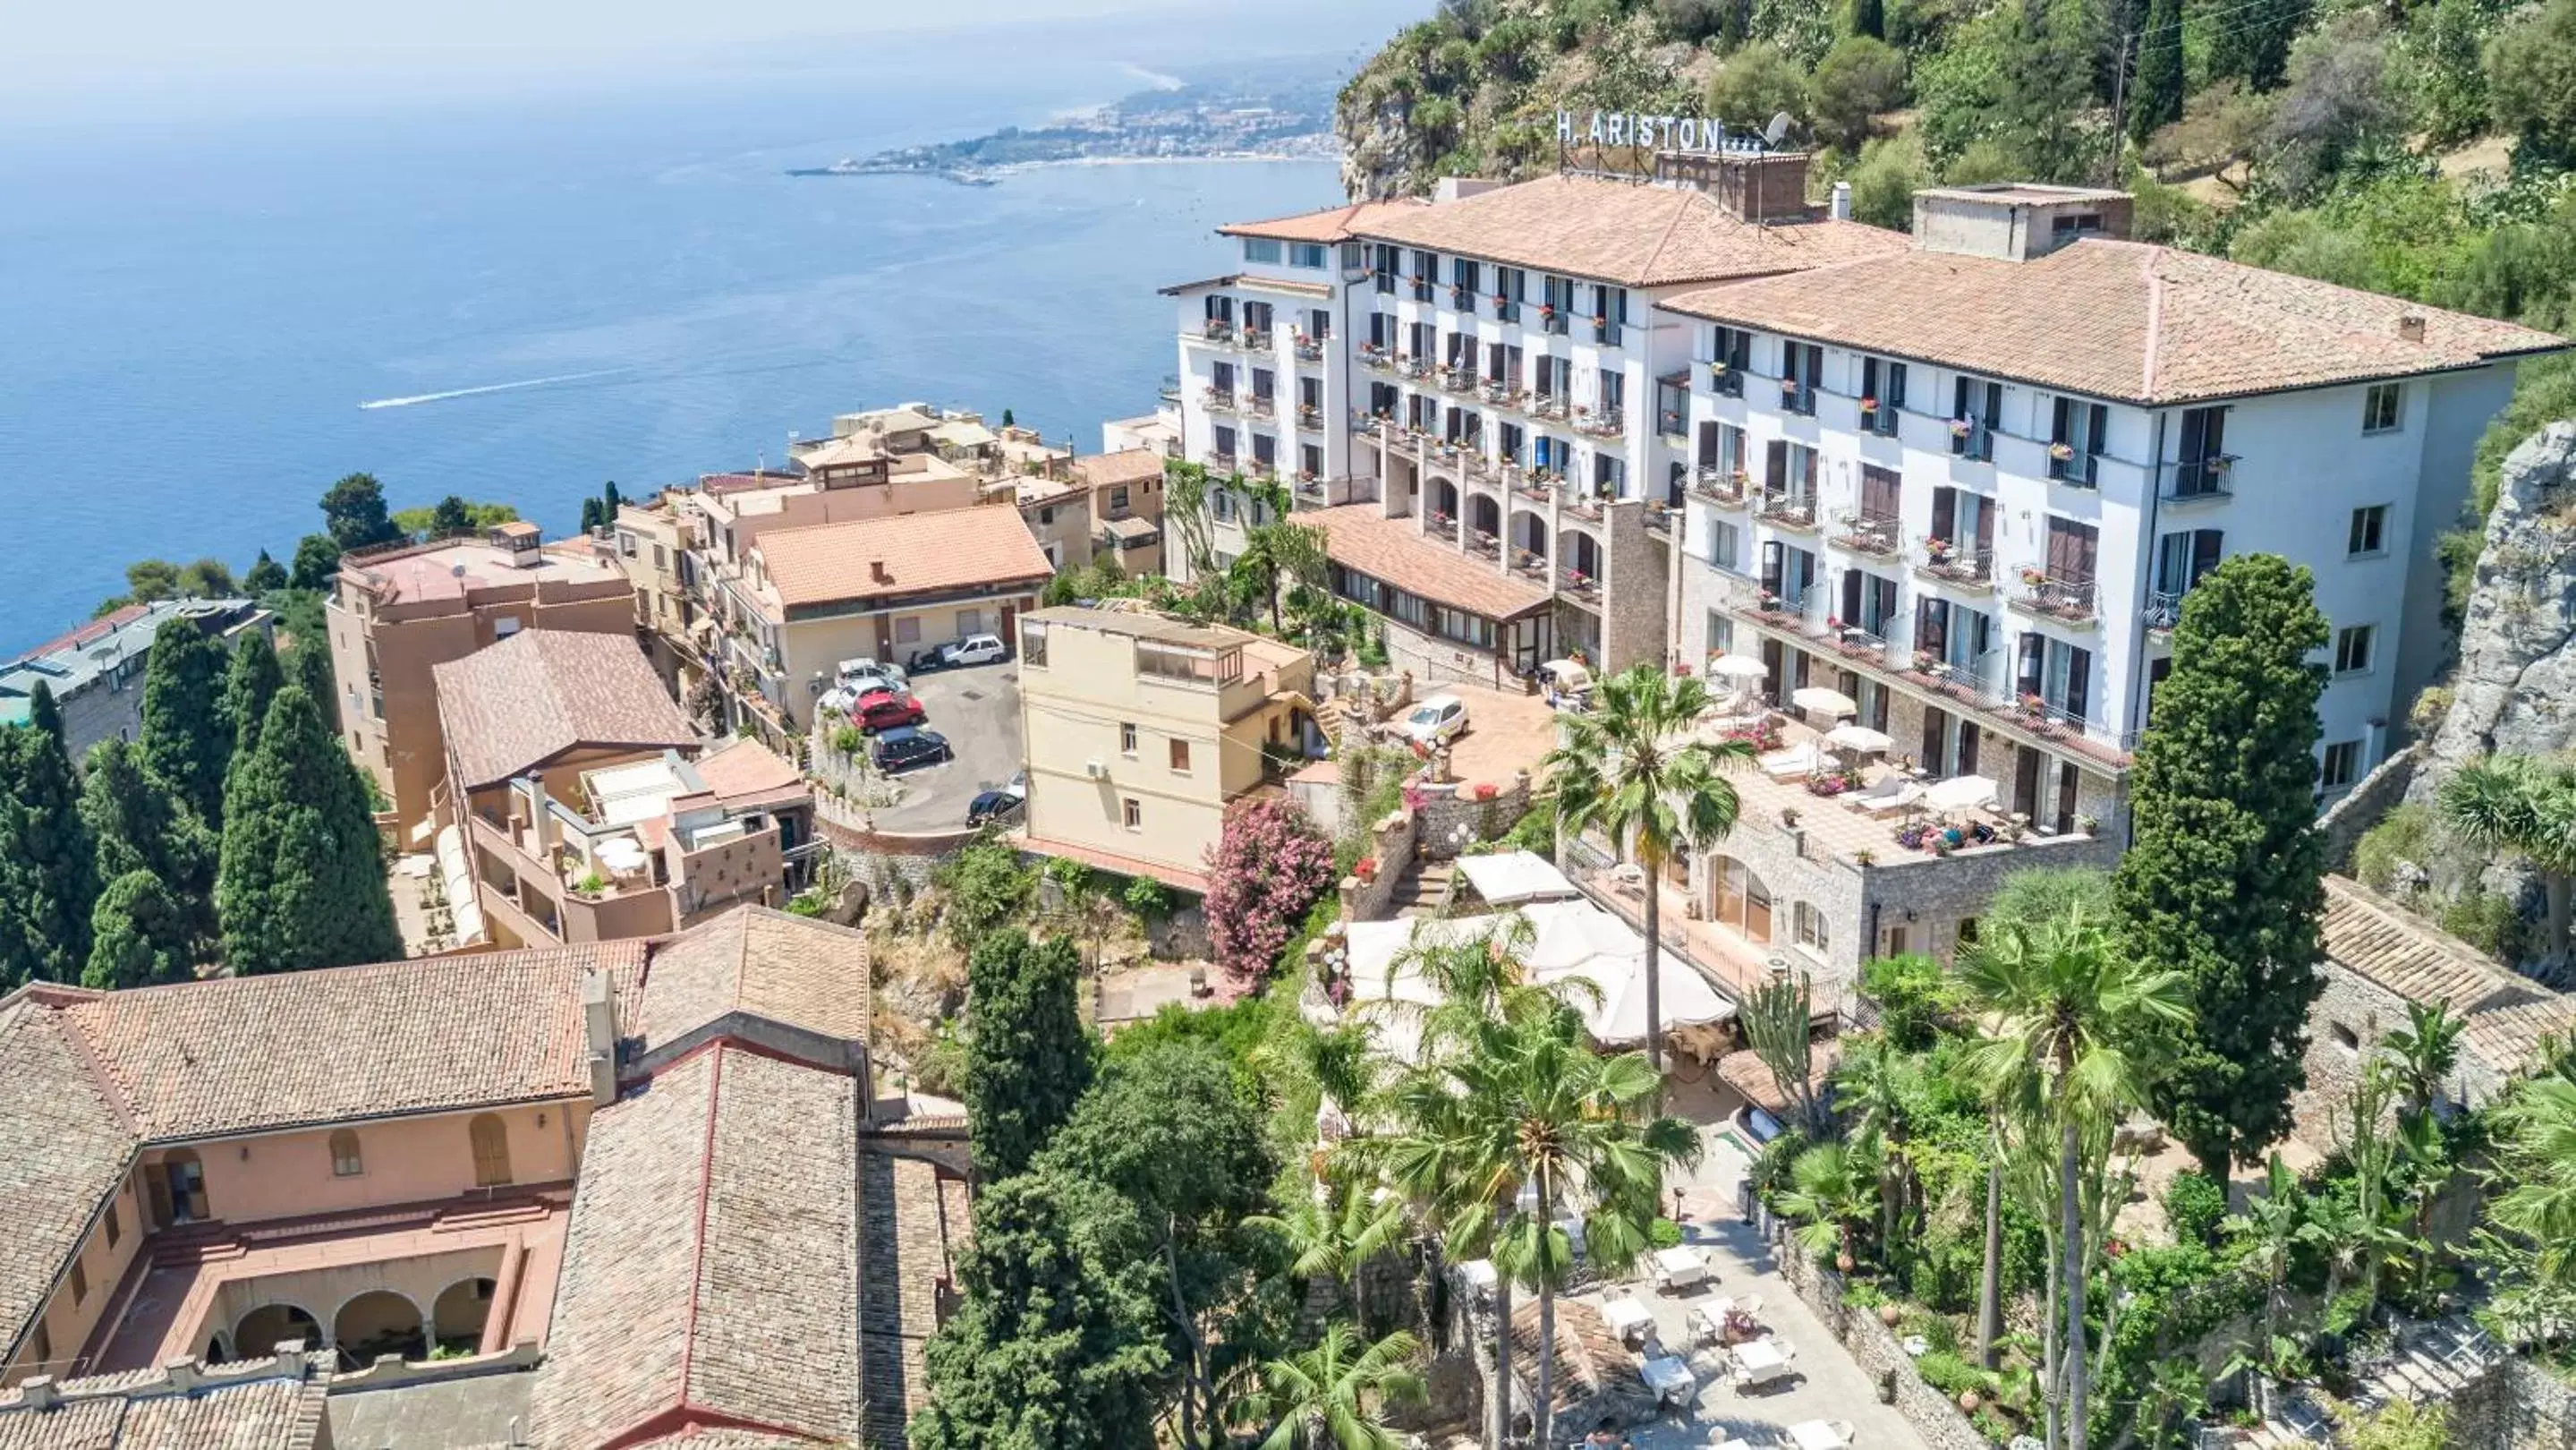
(1859, 738)
(1738, 667)
(1961, 793)
(1824, 701)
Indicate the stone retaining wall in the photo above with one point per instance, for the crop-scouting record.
(2516, 1406)
(1873, 1346)
(2362, 807)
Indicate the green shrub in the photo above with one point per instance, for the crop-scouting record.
(1945, 1371)
(1148, 898)
(1915, 998)
(848, 740)
(2403, 835)
(1663, 1233)
(2194, 1207)
(2490, 923)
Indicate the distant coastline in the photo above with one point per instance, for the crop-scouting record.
(987, 176)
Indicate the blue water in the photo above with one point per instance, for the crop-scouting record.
(192, 315)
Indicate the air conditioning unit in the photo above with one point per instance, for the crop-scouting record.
(1097, 770)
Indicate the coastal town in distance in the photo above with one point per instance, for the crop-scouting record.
(1686, 786)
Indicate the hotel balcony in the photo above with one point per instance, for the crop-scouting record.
(1969, 569)
(1221, 463)
(1531, 565)
(1262, 405)
(1659, 519)
(1601, 423)
(1461, 380)
(1782, 509)
(1376, 359)
(1579, 586)
(2163, 611)
(1256, 341)
(1724, 381)
(1218, 400)
(1309, 417)
(1415, 368)
(2198, 480)
(1797, 397)
(1309, 349)
(1863, 535)
(1972, 440)
(1310, 491)
(1217, 331)
(1725, 487)
(2068, 601)
(1547, 405)
(1500, 393)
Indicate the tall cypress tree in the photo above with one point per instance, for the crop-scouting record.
(2223, 878)
(184, 739)
(140, 936)
(2156, 97)
(1028, 1056)
(250, 682)
(137, 824)
(302, 880)
(309, 665)
(48, 877)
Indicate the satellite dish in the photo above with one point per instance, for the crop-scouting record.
(1778, 130)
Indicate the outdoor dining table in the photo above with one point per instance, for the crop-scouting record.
(1708, 1321)
(1627, 1318)
(1760, 1362)
(1670, 1378)
(1816, 1435)
(1680, 1268)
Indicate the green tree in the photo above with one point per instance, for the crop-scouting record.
(184, 740)
(1526, 1103)
(2224, 880)
(302, 881)
(2254, 44)
(1329, 1397)
(590, 520)
(1621, 770)
(987, 889)
(207, 579)
(353, 512)
(2065, 1007)
(1779, 1025)
(2526, 807)
(2155, 98)
(1175, 1133)
(2536, 1143)
(140, 935)
(1055, 1343)
(2422, 1054)
(1833, 1189)
(317, 562)
(251, 681)
(451, 516)
(48, 866)
(2531, 84)
(1868, 18)
(1755, 84)
(147, 580)
(1874, 1087)
(309, 664)
(1333, 1234)
(1028, 1056)
(136, 824)
(1859, 78)
(266, 575)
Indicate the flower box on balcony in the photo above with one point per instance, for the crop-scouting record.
(2033, 578)
(1961, 427)
(2062, 452)
(1868, 406)
(1717, 372)
(1789, 386)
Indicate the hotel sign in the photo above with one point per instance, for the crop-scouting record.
(1661, 133)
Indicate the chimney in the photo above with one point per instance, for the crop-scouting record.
(39, 1392)
(2410, 327)
(599, 1035)
(1841, 205)
(180, 1374)
(878, 573)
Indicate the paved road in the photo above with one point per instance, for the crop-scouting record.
(978, 710)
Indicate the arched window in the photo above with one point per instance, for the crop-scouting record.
(345, 1160)
(491, 1150)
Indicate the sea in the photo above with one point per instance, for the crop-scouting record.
(518, 297)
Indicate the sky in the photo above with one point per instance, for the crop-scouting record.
(92, 60)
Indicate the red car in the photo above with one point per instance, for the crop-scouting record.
(886, 712)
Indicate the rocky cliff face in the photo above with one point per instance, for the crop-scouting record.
(2514, 690)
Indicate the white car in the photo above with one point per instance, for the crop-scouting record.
(1437, 719)
(974, 649)
(856, 675)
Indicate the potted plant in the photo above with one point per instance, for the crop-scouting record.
(2062, 452)
(1868, 406)
(1961, 427)
(1937, 550)
(1717, 372)
(1484, 790)
(1366, 869)
(2033, 577)
(2089, 825)
(1547, 311)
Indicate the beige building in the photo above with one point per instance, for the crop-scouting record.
(1108, 505)
(887, 588)
(396, 615)
(579, 1196)
(580, 804)
(1141, 729)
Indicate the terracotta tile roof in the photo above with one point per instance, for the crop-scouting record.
(711, 1267)
(1359, 537)
(1317, 290)
(1179, 878)
(1127, 465)
(2112, 319)
(543, 691)
(949, 549)
(266, 1404)
(912, 1227)
(743, 766)
(2367, 933)
(791, 969)
(2508, 1039)
(1626, 232)
(63, 1149)
(202, 1058)
(1332, 224)
(1590, 1361)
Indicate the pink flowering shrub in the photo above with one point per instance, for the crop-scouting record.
(1267, 871)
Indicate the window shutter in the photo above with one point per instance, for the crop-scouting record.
(2204, 552)
(2033, 654)
(1986, 528)
(2097, 426)
(1935, 724)
(1775, 464)
(1894, 397)
(1945, 512)
(1851, 596)
(2057, 425)
(2079, 681)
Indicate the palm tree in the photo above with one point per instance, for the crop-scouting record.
(2062, 1005)
(2527, 807)
(1627, 768)
(1331, 1395)
(1511, 1120)
(1871, 1087)
(1833, 1186)
(2537, 1137)
(2272, 1228)
(1336, 1232)
(2423, 1053)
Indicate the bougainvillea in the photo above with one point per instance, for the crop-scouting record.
(1268, 869)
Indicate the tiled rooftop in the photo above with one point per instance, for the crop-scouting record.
(1332, 224)
(63, 1149)
(448, 570)
(917, 553)
(1359, 536)
(2409, 956)
(266, 1404)
(793, 970)
(528, 698)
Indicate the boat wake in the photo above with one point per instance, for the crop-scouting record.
(419, 398)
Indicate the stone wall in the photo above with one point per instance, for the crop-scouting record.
(2516, 1406)
(1454, 813)
(1873, 1346)
(2361, 807)
(1391, 843)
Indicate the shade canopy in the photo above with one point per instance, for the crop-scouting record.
(1961, 793)
(1857, 737)
(1568, 941)
(1738, 667)
(1507, 878)
(1824, 701)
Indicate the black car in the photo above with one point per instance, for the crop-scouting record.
(904, 748)
(995, 805)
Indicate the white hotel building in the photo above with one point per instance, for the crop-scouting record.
(1964, 477)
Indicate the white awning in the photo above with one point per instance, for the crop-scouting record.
(1508, 878)
(1961, 793)
(1824, 701)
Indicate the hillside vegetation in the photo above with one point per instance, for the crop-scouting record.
(2305, 135)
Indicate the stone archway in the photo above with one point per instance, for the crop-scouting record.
(1484, 515)
(1580, 552)
(1739, 900)
(1529, 532)
(1444, 498)
(377, 1323)
(456, 1321)
(263, 1329)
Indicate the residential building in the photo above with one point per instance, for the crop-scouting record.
(651, 542)
(1155, 432)
(397, 614)
(96, 671)
(1057, 511)
(581, 805)
(228, 1198)
(889, 588)
(1141, 729)
(1498, 376)
(1126, 493)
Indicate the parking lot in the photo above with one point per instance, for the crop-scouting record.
(978, 710)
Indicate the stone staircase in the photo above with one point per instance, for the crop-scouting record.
(2432, 1362)
(1423, 890)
